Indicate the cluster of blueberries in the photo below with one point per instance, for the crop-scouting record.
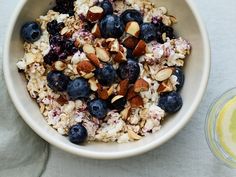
(111, 26)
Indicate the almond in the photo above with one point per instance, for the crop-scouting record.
(96, 31)
(121, 48)
(62, 100)
(130, 42)
(114, 46)
(165, 86)
(132, 28)
(88, 75)
(119, 57)
(110, 90)
(94, 59)
(108, 40)
(123, 87)
(102, 54)
(85, 66)
(163, 74)
(88, 48)
(131, 93)
(59, 66)
(94, 13)
(117, 97)
(93, 84)
(125, 113)
(133, 135)
(102, 93)
(141, 85)
(136, 102)
(140, 49)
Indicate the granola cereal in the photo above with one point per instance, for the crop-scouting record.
(104, 70)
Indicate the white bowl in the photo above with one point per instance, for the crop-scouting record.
(189, 25)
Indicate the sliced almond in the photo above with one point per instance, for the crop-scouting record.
(136, 102)
(119, 57)
(102, 93)
(141, 85)
(140, 49)
(94, 59)
(114, 46)
(88, 48)
(133, 135)
(59, 66)
(132, 28)
(96, 31)
(123, 87)
(131, 93)
(125, 113)
(110, 90)
(102, 54)
(117, 97)
(165, 86)
(130, 41)
(85, 66)
(164, 74)
(93, 84)
(94, 13)
(88, 75)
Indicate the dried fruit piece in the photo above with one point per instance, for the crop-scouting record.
(96, 31)
(102, 54)
(136, 102)
(123, 87)
(85, 66)
(141, 85)
(140, 49)
(132, 28)
(88, 48)
(130, 42)
(165, 86)
(164, 74)
(94, 59)
(94, 13)
(119, 57)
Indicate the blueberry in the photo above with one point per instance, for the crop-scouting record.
(119, 104)
(129, 53)
(129, 70)
(112, 26)
(54, 28)
(180, 78)
(106, 75)
(31, 32)
(107, 7)
(50, 58)
(78, 89)
(78, 134)
(147, 32)
(131, 15)
(57, 81)
(98, 108)
(65, 7)
(162, 28)
(170, 102)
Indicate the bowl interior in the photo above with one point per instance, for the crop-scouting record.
(196, 71)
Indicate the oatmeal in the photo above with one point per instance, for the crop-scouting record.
(107, 71)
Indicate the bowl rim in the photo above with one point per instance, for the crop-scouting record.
(101, 155)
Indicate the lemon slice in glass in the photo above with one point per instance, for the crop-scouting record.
(226, 127)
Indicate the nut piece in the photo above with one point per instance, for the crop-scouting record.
(96, 31)
(123, 87)
(132, 28)
(102, 54)
(94, 13)
(102, 93)
(134, 136)
(136, 102)
(130, 41)
(125, 113)
(165, 86)
(140, 49)
(59, 66)
(87, 76)
(117, 97)
(114, 46)
(94, 59)
(85, 66)
(88, 48)
(119, 57)
(141, 85)
(93, 84)
(164, 74)
(131, 93)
